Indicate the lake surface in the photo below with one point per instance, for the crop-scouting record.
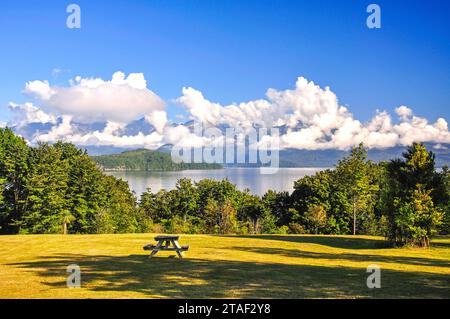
(250, 178)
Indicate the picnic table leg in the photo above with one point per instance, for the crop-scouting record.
(155, 250)
(178, 248)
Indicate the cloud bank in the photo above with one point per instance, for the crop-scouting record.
(309, 117)
(315, 120)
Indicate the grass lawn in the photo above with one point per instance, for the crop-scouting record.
(116, 266)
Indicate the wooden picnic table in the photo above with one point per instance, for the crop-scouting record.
(167, 243)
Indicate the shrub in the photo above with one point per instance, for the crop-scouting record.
(295, 228)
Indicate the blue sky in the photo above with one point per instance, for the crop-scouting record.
(234, 51)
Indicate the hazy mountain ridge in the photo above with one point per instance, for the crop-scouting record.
(329, 158)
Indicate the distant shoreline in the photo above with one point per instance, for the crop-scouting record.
(211, 169)
(154, 170)
(222, 168)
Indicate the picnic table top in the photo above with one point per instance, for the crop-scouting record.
(166, 237)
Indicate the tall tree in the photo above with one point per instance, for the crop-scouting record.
(316, 216)
(220, 217)
(418, 218)
(47, 189)
(186, 198)
(278, 203)
(414, 197)
(445, 203)
(352, 173)
(251, 209)
(14, 170)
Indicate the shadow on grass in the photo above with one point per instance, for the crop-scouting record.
(369, 258)
(331, 241)
(439, 245)
(200, 278)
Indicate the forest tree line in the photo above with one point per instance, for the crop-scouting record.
(147, 160)
(59, 189)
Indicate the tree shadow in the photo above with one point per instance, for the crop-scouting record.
(440, 245)
(201, 278)
(331, 241)
(369, 258)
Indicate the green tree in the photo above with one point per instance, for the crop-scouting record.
(103, 223)
(445, 204)
(14, 170)
(418, 219)
(121, 203)
(278, 203)
(47, 188)
(157, 206)
(2, 183)
(321, 189)
(416, 168)
(86, 192)
(186, 198)
(220, 217)
(416, 193)
(353, 175)
(211, 215)
(316, 216)
(251, 209)
(227, 218)
(147, 204)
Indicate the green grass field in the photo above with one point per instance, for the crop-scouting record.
(116, 266)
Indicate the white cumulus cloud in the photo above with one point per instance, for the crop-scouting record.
(28, 113)
(315, 120)
(121, 99)
(158, 119)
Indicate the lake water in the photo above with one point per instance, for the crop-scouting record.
(250, 178)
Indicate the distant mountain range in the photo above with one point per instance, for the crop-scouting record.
(288, 157)
(329, 158)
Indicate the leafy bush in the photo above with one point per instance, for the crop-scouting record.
(295, 228)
